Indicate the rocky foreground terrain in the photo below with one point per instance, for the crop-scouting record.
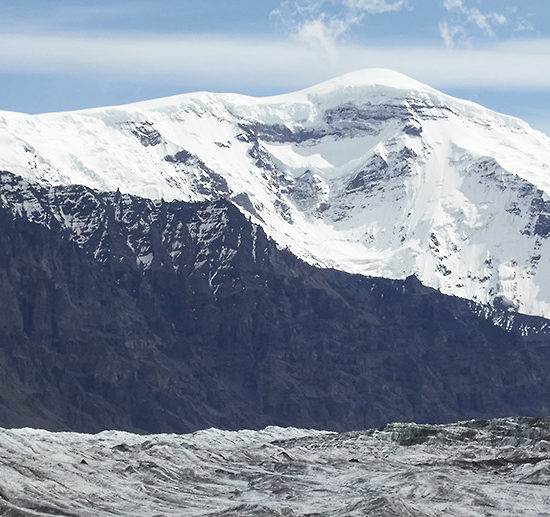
(490, 468)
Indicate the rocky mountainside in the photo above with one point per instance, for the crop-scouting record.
(491, 468)
(371, 173)
(128, 313)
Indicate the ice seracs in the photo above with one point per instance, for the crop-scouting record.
(372, 173)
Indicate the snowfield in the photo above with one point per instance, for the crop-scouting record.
(371, 173)
(491, 468)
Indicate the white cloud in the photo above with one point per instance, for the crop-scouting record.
(375, 6)
(486, 21)
(468, 15)
(322, 33)
(524, 26)
(275, 65)
(453, 4)
(449, 33)
(310, 21)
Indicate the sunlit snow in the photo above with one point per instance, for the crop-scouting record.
(372, 173)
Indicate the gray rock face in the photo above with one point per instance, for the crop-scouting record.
(491, 468)
(121, 312)
(145, 132)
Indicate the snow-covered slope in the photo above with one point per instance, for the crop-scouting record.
(490, 468)
(371, 173)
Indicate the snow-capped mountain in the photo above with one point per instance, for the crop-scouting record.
(370, 173)
(490, 468)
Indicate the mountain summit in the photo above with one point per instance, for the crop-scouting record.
(371, 173)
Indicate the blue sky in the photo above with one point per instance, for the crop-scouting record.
(68, 54)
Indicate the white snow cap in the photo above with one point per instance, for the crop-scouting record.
(371, 173)
(371, 77)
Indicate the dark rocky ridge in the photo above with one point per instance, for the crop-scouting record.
(349, 119)
(121, 312)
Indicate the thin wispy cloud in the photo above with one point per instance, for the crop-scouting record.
(450, 33)
(375, 6)
(277, 64)
(323, 32)
(523, 26)
(68, 14)
(315, 23)
(468, 17)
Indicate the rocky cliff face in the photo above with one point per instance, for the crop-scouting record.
(122, 312)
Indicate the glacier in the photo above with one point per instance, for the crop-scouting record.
(479, 467)
(371, 173)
